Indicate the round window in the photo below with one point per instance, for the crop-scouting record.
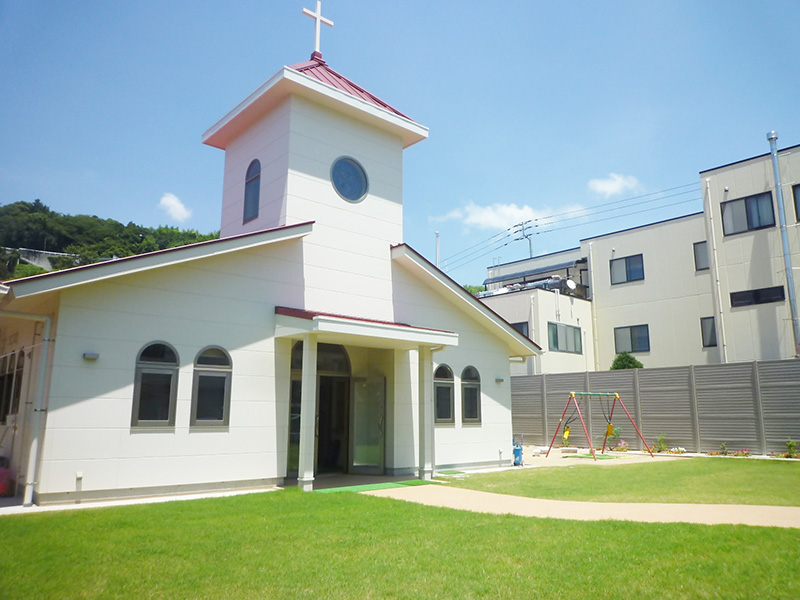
(349, 179)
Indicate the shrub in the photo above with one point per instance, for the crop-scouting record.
(660, 445)
(791, 448)
(625, 360)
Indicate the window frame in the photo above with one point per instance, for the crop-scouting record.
(796, 196)
(754, 297)
(444, 383)
(551, 325)
(712, 334)
(471, 384)
(628, 277)
(522, 327)
(252, 191)
(155, 368)
(747, 201)
(630, 329)
(216, 371)
(707, 259)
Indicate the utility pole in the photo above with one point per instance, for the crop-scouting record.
(527, 235)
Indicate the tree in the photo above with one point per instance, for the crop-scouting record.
(475, 289)
(624, 360)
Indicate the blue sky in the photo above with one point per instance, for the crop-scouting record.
(535, 109)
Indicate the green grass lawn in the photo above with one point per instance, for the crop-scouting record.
(290, 544)
(686, 480)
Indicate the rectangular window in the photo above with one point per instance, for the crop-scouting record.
(155, 398)
(700, 256)
(748, 214)
(796, 194)
(629, 268)
(443, 402)
(635, 338)
(564, 338)
(760, 296)
(521, 327)
(471, 403)
(709, 331)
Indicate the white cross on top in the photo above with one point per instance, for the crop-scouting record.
(317, 16)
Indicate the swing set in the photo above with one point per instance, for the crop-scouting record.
(573, 399)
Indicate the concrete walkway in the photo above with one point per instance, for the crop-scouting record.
(446, 496)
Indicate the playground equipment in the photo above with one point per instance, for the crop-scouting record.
(609, 427)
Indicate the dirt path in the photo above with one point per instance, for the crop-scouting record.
(709, 514)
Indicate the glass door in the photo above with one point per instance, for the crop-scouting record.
(368, 424)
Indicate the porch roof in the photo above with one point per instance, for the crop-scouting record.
(343, 329)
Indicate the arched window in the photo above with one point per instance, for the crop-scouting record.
(470, 396)
(155, 387)
(331, 359)
(444, 410)
(252, 187)
(6, 377)
(17, 391)
(211, 396)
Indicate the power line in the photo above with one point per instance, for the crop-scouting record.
(463, 262)
(579, 213)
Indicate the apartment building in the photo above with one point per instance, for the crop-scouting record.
(704, 288)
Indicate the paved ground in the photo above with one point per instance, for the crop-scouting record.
(709, 514)
(450, 497)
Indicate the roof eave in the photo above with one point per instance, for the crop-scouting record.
(286, 82)
(518, 345)
(59, 280)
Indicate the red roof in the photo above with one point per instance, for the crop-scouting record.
(319, 69)
(309, 315)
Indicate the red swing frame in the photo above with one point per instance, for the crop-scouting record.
(573, 399)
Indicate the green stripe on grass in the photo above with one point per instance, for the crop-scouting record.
(368, 487)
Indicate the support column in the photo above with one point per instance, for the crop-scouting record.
(426, 436)
(308, 415)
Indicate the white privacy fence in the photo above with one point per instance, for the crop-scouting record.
(744, 405)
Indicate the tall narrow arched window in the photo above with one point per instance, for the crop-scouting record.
(17, 391)
(443, 406)
(155, 387)
(470, 396)
(252, 187)
(211, 395)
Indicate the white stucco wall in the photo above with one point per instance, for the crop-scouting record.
(215, 301)
(463, 443)
(671, 299)
(754, 259)
(538, 308)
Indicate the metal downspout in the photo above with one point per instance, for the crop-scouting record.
(772, 136)
(594, 312)
(717, 291)
(31, 478)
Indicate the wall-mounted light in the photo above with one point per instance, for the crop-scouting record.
(91, 355)
(499, 380)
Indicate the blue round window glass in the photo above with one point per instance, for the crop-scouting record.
(349, 179)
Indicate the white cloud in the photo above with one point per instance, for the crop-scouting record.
(173, 206)
(500, 216)
(613, 185)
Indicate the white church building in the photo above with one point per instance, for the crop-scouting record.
(308, 339)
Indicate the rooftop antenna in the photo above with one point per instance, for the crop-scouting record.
(317, 16)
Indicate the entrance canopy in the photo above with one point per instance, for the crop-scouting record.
(340, 329)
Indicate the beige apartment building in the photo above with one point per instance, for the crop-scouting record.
(705, 288)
